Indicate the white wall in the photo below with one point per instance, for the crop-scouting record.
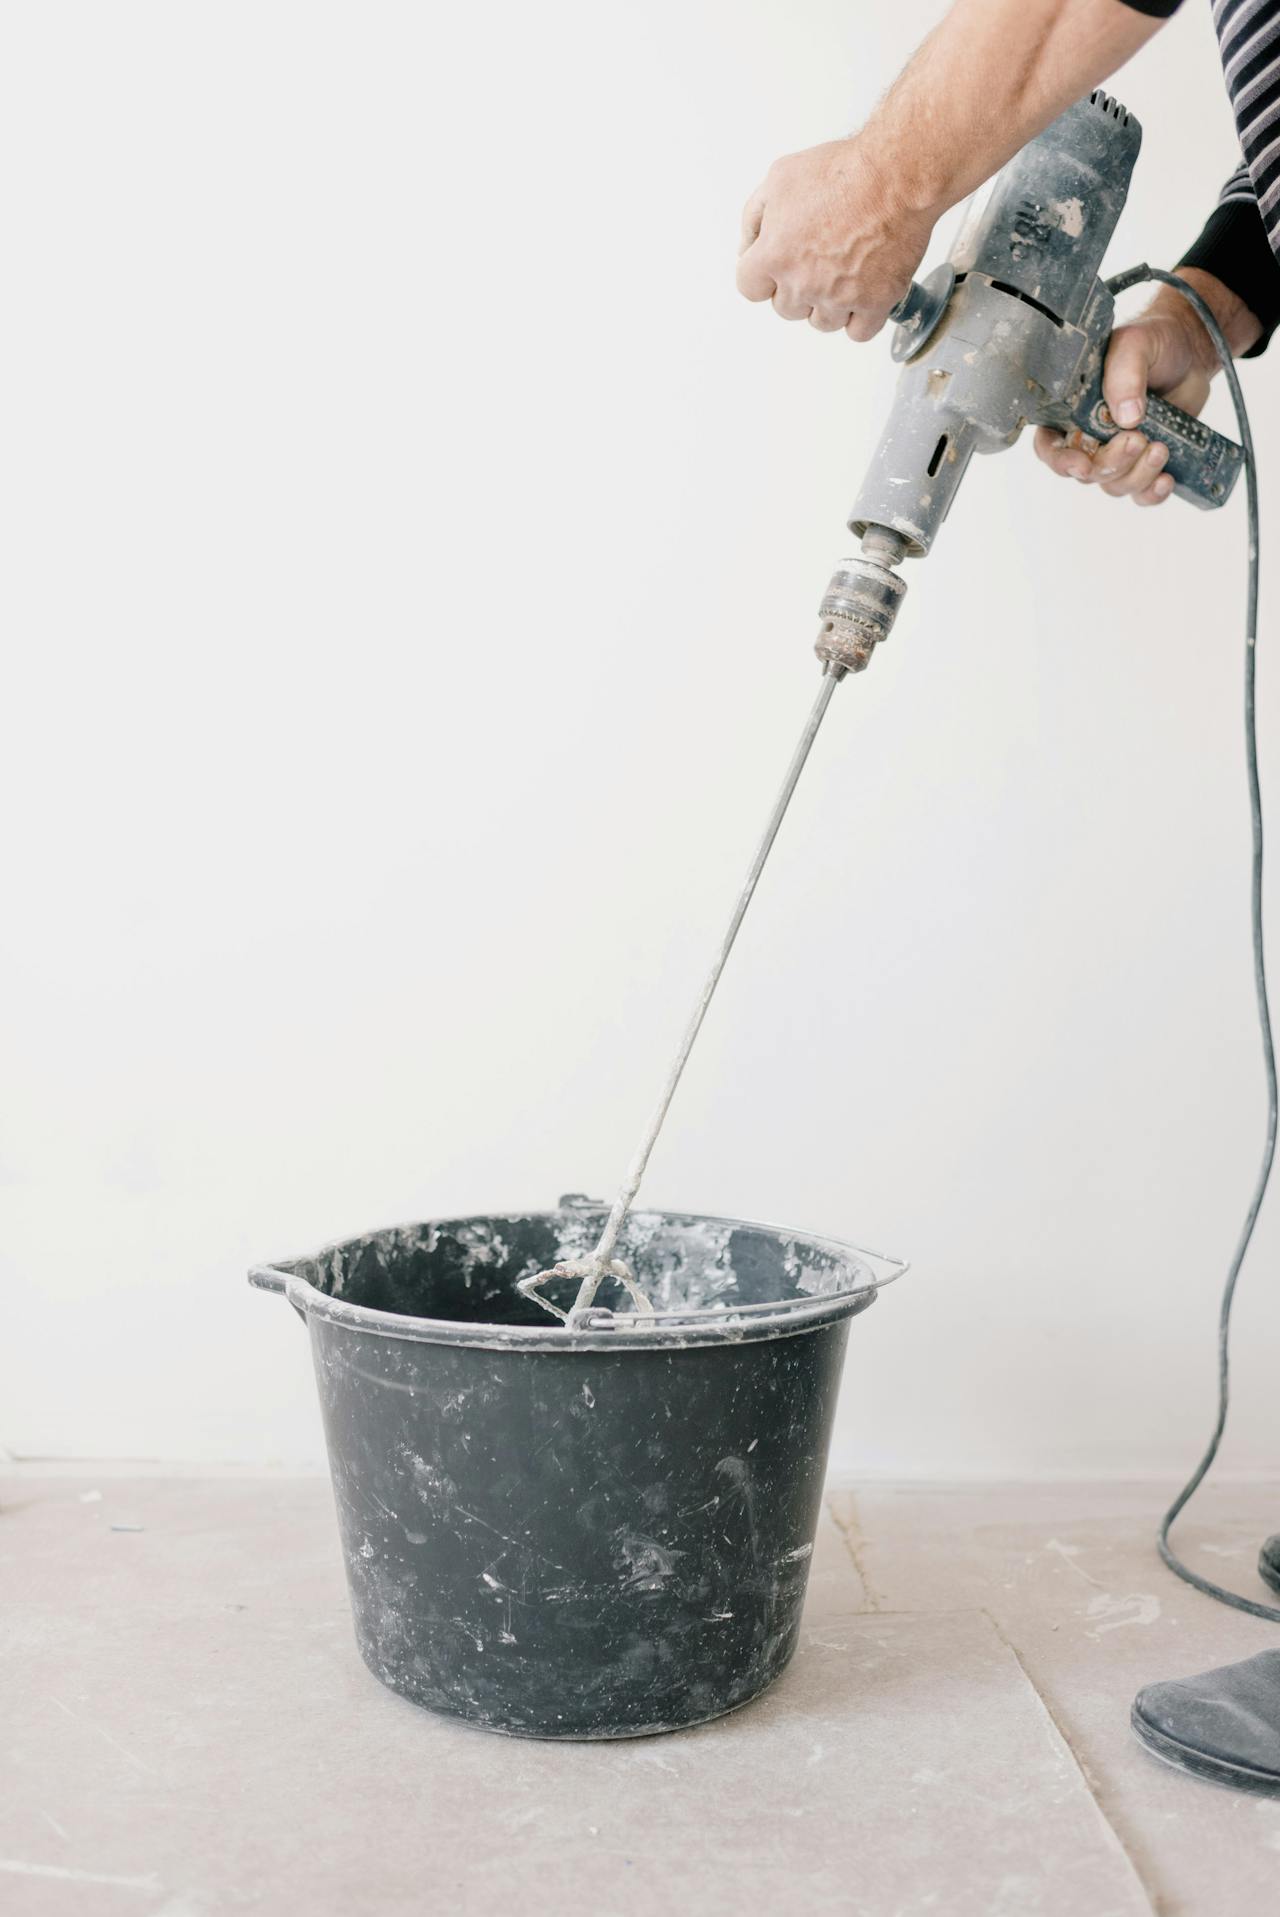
(404, 517)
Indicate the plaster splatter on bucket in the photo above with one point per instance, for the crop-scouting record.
(586, 1532)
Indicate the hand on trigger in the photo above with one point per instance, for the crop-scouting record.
(1165, 350)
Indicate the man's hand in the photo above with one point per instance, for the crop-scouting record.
(835, 233)
(825, 238)
(1165, 350)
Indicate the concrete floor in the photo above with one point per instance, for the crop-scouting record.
(185, 1727)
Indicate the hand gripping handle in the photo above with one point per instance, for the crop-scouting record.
(1203, 464)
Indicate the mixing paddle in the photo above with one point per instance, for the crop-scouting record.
(601, 1264)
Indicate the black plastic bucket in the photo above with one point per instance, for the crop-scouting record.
(602, 1532)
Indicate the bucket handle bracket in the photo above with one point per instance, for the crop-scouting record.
(267, 1278)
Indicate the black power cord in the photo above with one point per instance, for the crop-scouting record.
(1134, 277)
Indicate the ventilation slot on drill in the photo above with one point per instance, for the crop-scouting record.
(1106, 104)
(938, 451)
(1001, 286)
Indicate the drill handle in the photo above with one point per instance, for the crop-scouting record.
(915, 318)
(1204, 465)
(912, 307)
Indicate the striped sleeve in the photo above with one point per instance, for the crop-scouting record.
(1238, 187)
(1235, 247)
(1249, 40)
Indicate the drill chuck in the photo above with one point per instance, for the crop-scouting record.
(857, 611)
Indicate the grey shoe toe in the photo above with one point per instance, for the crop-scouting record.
(1269, 1563)
(1223, 1725)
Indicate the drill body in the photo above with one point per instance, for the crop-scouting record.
(1011, 331)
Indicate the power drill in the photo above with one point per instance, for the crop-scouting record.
(1012, 330)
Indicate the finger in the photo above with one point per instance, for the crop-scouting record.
(1157, 493)
(1142, 474)
(790, 309)
(755, 281)
(1124, 377)
(1189, 393)
(1117, 459)
(1084, 441)
(830, 319)
(1060, 456)
(752, 215)
(1085, 466)
(864, 325)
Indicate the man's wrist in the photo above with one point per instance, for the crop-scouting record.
(915, 181)
(1240, 327)
(1234, 251)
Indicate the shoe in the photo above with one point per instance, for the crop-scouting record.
(1223, 1725)
(1269, 1563)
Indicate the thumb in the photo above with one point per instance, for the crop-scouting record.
(1130, 358)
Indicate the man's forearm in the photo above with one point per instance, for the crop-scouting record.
(991, 75)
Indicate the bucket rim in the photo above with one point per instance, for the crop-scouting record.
(601, 1330)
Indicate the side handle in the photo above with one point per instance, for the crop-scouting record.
(915, 318)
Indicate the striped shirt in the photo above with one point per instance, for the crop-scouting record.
(1240, 244)
(1249, 39)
